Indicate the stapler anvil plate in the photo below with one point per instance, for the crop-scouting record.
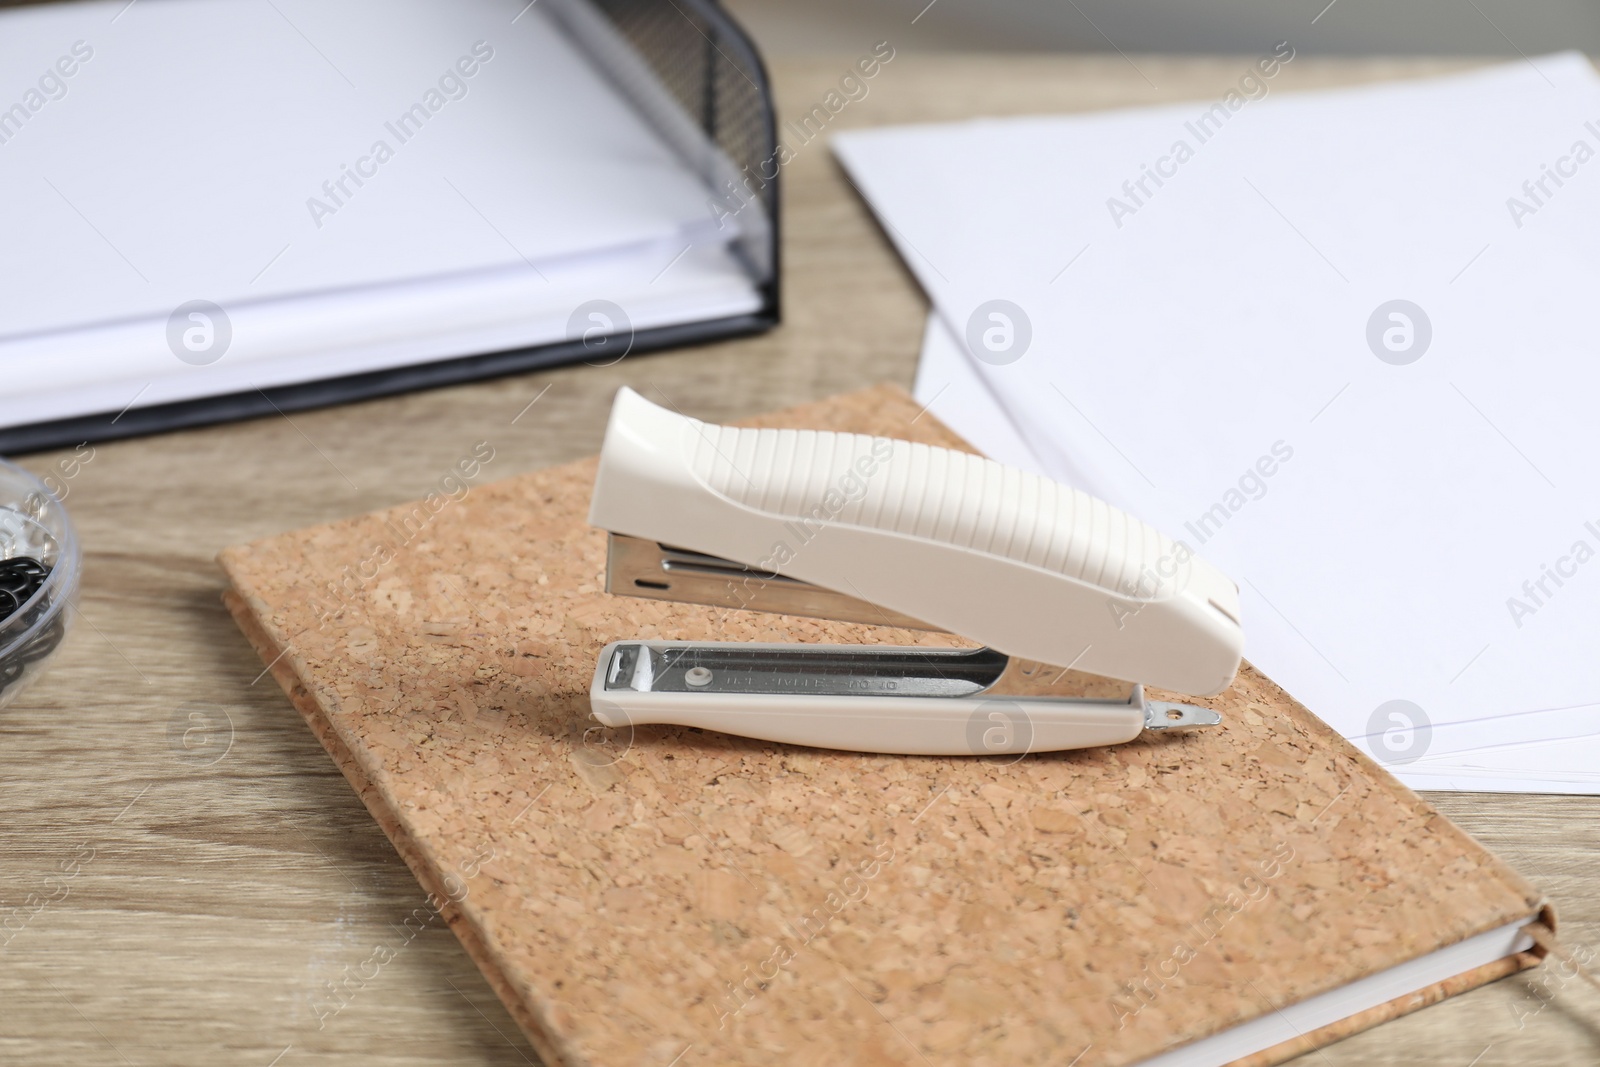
(1079, 605)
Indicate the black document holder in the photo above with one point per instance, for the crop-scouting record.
(697, 79)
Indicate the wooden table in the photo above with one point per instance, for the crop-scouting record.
(215, 899)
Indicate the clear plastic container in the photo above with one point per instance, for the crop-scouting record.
(33, 524)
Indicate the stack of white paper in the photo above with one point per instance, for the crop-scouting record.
(357, 185)
(1341, 343)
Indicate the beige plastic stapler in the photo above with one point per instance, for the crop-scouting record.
(1079, 604)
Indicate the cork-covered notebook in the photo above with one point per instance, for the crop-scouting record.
(672, 897)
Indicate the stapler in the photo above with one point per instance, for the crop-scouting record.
(1077, 604)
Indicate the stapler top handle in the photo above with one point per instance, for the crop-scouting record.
(1025, 565)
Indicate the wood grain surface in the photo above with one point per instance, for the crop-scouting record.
(202, 875)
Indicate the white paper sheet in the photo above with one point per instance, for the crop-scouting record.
(315, 336)
(203, 149)
(1205, 364)
(1544, 752)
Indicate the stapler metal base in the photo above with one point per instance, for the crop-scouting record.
(875, 698)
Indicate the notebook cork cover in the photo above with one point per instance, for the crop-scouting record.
(671, 897)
